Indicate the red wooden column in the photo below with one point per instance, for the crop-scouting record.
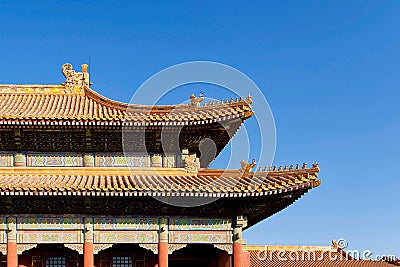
(12, 256)
(238, 241)
(237, 248)
(246, 259)
(163, 243)
(88, 257)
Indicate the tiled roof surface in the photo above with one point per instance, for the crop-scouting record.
(43, 104)
(306, 256)
(153, 182)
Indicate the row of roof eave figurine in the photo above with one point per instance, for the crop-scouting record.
(247, 167)
(196, 101)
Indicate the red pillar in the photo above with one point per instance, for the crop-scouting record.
(237, 254)
(246, 259)
(12, 256)
(240, 223)
(163, 243)
(162, 254)
(88, 257)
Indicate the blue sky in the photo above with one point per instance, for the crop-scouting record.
(329, 69)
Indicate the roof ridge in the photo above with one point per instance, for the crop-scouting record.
(99, 108)
(78, 83)
(30, 85)
(54, 89)
(12, 88)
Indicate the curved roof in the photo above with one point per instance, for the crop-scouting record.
(56, 104)
(153, 181)
(256, 195)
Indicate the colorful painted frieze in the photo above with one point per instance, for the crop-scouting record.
(6, 160)
(49, 223)
(187, 223)
(50, 237)
(54, 160)
(125, 223)
(200, 237)
(121, 160)
(136, 237)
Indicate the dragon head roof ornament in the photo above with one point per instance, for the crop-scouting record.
(76, 82)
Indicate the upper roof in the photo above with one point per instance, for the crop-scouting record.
(307, 256)
(73, 102)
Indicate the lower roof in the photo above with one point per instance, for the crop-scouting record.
(109, 181)
(153, 191)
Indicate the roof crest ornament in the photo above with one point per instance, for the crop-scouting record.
(76, 82)
(249, 100)
(195, 101)
(246, 167)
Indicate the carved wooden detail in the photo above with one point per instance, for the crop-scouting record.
(174, 247)
(23, 247)
(151, 247)
(76, 247)
(225, 247)
(99, 247)
(3, 249)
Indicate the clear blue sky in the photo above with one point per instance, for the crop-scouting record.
(330, 71)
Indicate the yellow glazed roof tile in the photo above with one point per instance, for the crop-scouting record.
(75, 102)
(151, 180)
